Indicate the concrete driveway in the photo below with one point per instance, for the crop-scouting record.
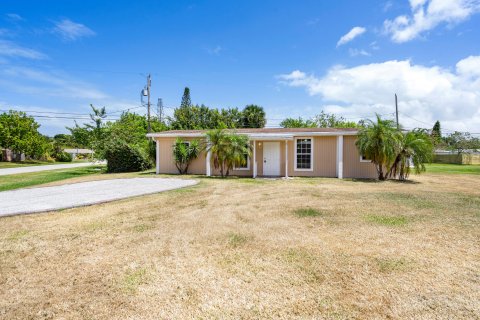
(8, 171)
(41, 199)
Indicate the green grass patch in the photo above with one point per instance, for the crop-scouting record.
(142, 227)
(391, 221)
(306, 263)
(29, 163)
(307, 212)
(17, 235)
(16, 181)
(453, 168)
(416, 201)
(469, 202)
(236, 240)
(133, 279)
(392, 264)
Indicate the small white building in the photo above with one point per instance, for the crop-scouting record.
(75, 152)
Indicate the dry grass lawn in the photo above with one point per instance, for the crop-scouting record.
(246, 249)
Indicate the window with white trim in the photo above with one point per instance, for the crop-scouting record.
(303, 154)
(245, 165)
(363, 158)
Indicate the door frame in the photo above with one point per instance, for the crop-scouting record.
(278, 148)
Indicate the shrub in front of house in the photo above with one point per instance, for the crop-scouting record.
(122, 157)
(63, 157)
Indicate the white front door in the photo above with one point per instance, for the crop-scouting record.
(271, 158)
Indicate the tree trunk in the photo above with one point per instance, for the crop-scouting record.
(381, 177)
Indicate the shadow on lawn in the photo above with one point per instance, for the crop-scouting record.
(389, 180)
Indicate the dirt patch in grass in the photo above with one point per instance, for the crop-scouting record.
(235, 248)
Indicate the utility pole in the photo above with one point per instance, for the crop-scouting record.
(396, 111)
(149, 82)
(160, 109)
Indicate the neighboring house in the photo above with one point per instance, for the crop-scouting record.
(298, 152)
(8, 155)
(75, 152)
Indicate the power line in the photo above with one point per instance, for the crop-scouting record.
(70, 113)
(72, 118)
(128, 109)
(430, 125)
(47, 112)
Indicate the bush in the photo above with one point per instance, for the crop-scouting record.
(122, 157)
(63, 157)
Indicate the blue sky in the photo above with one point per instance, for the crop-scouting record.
(294, 58)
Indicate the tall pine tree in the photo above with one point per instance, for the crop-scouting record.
(186, 100)
(436, 133)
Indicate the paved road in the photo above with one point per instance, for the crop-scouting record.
(41, 199)
(4, 172)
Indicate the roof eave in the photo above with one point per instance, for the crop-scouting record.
(286, 135)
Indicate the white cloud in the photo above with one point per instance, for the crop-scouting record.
(215, 51)
(425, 93)
(14, 17)
(11, 49)
(34, 82)
(358, 52)
(71, 31)
(352, 34)
(426, 15)
(387, 6)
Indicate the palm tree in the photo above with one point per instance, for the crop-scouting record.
(184, 153)
(227, 149)
(379, 141)
(415, 146)
(253, 117)
(238, 147)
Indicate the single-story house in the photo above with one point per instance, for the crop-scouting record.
(77, 151)
(277, 152)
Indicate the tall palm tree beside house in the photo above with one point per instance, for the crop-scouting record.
(227, 149)
(415, 146)
(184, 153)
(379, 141)
(238, 148)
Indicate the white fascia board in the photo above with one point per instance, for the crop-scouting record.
(337, 133)
(258, 136)
(272, 136)
(174, 135)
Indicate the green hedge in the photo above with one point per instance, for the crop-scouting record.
(63, 157)
(122, 157)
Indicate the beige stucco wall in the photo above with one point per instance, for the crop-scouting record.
(167, 163)
(324, 159)
(352, 166)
